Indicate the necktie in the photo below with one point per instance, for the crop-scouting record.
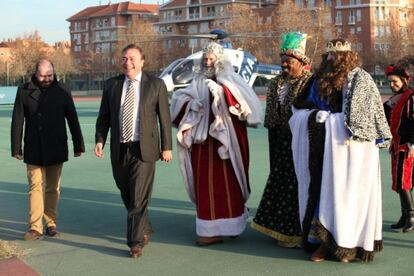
(128, 112)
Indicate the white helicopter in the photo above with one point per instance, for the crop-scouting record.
(180, 72)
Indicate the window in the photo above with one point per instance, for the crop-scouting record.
(193, 43)
(351, 2)
(358, 15)
(192, 29)
(105, 47)
(359, 30)
(351, 19)
(211, 11)
(338, 3)
(352, 30)
(311, 3)
(86, 38)
(77, 39)
(338, 18)
(105, 22)
(77, 48)
(77, 26)
(87, 25)
(299, 3)
(168, 15)
(168, 44)
(113, 22)
(327, 3)
(403, 16)
(98, 23)
(113, 35)
(177, 14)
(204, 27)
(359, 46)
(381, 31)
(194, 12)
(221, 11)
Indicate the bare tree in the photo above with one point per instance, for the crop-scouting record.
(143, 33)
(251, 33)
(62, 60)
(27, 50)
(316, 23)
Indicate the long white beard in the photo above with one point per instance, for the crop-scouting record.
(209, 72)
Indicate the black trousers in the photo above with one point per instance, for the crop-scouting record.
(134, 178)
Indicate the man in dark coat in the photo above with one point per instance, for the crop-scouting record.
(41, 107)
(131, 104)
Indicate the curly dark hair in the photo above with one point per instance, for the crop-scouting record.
(331, 74)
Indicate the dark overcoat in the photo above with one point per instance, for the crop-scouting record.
(42, 114)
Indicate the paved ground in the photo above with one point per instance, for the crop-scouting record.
(92, 222)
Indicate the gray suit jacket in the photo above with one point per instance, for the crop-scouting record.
(153, 105)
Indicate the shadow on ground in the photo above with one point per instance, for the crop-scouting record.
(98, 215)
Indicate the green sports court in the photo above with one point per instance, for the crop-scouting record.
(92, 222)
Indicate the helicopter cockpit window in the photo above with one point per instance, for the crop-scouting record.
(183, 73)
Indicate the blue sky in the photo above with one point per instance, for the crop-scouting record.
(19, 17)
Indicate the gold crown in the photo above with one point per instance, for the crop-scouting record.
(338, 47)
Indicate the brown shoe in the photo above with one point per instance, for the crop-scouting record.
(204, 241)
(135, 251)
(52, 232)
(320, 254)
(32, 235)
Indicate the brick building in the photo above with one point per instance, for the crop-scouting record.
(99, 29)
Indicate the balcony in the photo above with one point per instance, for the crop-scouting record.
(194, 15)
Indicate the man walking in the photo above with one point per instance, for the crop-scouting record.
(131, 104)
(41, 107)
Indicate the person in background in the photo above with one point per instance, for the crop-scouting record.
(399, 110)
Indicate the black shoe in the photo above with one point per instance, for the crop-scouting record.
(409, 222)
(401, 222)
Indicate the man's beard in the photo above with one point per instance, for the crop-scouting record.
(330, 66)
(45, 84)
(209, 72)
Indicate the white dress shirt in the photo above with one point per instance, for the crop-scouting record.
(135, 136)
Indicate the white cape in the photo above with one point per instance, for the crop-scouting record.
(350, 203)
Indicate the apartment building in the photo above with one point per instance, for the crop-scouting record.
(375, 23)
(196, 16)
(99, 29)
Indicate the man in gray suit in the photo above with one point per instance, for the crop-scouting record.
(130, 106)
